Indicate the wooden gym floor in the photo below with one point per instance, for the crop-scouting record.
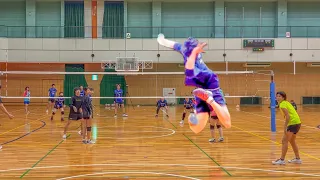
(143, 147)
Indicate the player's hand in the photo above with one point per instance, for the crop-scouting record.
(74, 109)
(161, 36)
(10, 116)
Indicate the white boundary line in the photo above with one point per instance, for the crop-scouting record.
(155, 165)
(129, 172)
(142, 137)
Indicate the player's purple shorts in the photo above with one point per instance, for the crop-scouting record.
(202, 106)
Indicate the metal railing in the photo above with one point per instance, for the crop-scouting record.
(152, 32)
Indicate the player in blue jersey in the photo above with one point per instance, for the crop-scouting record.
(197, 74)
(51, 93)
(26, 100)
(118, 101)
(59, 104)
(188, 107)
(82, 91)
(214, 122)
(162, 103)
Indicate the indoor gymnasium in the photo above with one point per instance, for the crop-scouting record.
(159, 89)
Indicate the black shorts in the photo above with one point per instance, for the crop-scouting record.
(75, 116)
(86, 118)
(294, 128)
(51, 100)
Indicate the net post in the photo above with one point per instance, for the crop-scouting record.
(273, 103)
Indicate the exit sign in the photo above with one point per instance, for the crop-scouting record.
(258, 49)
(94, 77)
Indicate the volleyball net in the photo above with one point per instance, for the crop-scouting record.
(142, 86)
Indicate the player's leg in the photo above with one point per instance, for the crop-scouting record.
(116, 106)
(157, 111)
(219, 127)
(124, 114)
(166, 111)
(54, 110)
(215, 99)
(26, 105)
(212, 122)
(88, 123)
(183, 116)
(295, 129)
(62, 113)
(198, 120)
(66, 127)
(49, 102)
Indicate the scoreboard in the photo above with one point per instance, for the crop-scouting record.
(258, 43)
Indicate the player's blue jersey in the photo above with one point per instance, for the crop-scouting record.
(52, 92)
(222, 93)
(60, 101)
(201, 76)
(118, 94)
(82, 93)
(162, 103)
(188, 104)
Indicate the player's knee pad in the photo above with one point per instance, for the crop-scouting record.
(218, 126)
(62, 112)
(89, 129)
(211, 127)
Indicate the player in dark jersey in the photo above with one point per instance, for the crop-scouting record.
(59, 104)
(197, 74)
(87, 116)
(118, 101)
(162, 103)
(188, 107)
(51, 93)
(75, 110)
(3, 109)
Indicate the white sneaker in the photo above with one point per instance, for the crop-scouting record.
(279, 162)
(181, 123)
(295, 161)
(212, 140)
(115, 116)
(124, 115)
(64, 136)
(221, 139)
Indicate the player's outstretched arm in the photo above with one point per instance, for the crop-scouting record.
(165, 42)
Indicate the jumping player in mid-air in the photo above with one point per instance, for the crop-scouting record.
(59, 104)
(162, 103)
(188, 107)
(208, 95)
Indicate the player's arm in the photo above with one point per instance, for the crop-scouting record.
(287, 118)
(192, 58)
(165, 42)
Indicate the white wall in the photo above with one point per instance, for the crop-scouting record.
(80, 50)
